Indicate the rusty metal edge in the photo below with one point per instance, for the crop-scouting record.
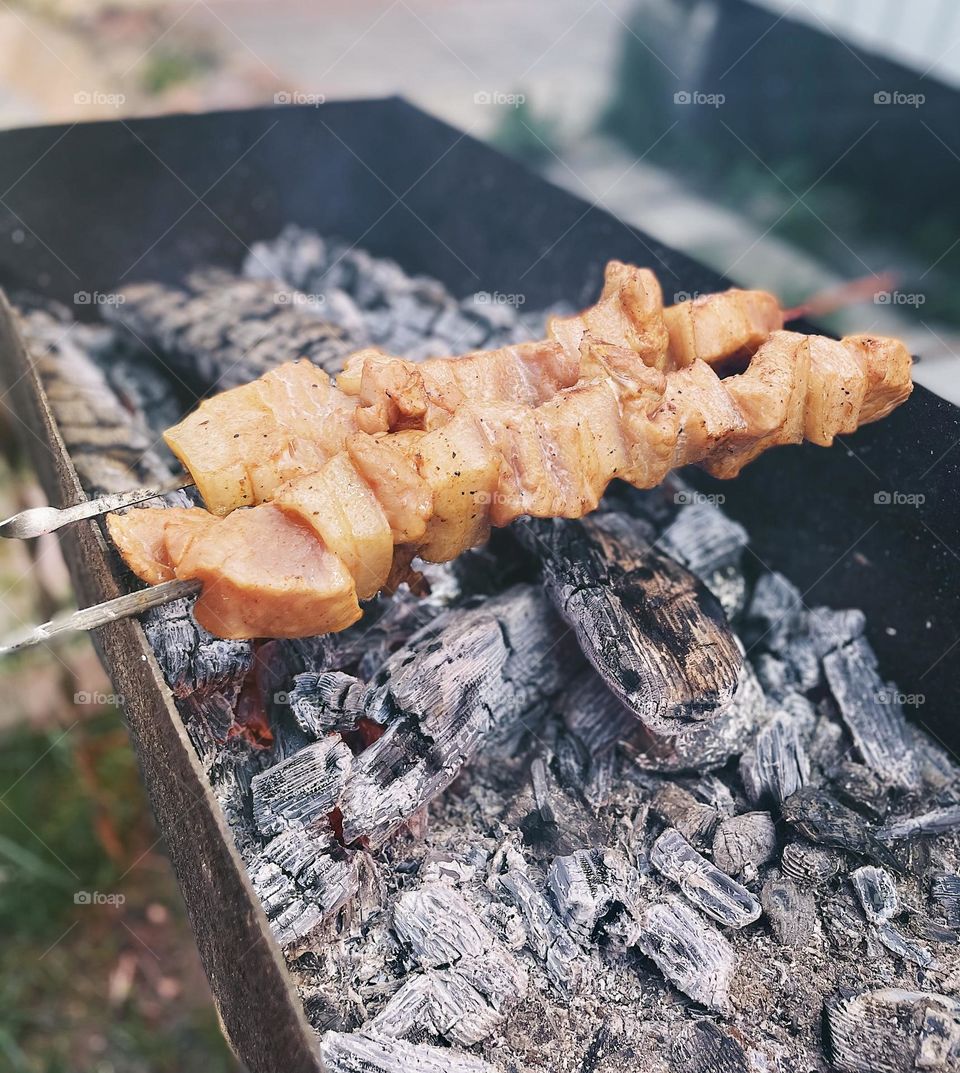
(260, 1013)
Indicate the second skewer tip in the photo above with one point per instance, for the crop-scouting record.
(38, 521)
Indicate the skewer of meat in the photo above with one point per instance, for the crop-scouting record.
(436, 491)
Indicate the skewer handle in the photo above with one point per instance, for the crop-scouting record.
(38, 521)
(89, 618)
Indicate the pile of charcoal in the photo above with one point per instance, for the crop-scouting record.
(499, 824)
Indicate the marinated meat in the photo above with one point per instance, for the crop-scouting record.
(241, 445)
(423, 460)
(263, 573)
(720, 328)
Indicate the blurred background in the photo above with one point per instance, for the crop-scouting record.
(809, 147)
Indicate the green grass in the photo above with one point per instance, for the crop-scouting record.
(64, 796)
(168, 67)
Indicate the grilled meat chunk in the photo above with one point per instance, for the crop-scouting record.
(307, 589)
(720, 328)
(241, 445)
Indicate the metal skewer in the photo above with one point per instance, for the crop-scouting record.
(38, 521)
(89, 618)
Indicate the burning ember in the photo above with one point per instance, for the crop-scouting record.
(471, 852)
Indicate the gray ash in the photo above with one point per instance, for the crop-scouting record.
(472, 854)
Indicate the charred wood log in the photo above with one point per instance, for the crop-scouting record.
(945, 893)
(710, 890)
(678, 808)
(872, 713)
(822, 819)
(439, 927)
(389, 621)
(704, 539)
(192, 659)
(377, 302)
(556, 818)
(793, 640)
(469, 980)
(843, 921)
(809, 865)
(743, 843)
(776, 613)
(599, 720)
(302, 790)
(776, 765)
(474, 676)
(303, 886)
(692, 954)
(860, 787)
(938, 821)
(893, 1031)
(710, 545)
(703, 1047)
(325, 702)
(790, 910)
(219, 330)
(595, 716)
(656, 635)
(506, 655)
(596, 893)
(442, 1003)
(547, 937)
(363, 1052)
(876, 892)
(903, 947)
(112, 449)
(209, 719)
(396, 776)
